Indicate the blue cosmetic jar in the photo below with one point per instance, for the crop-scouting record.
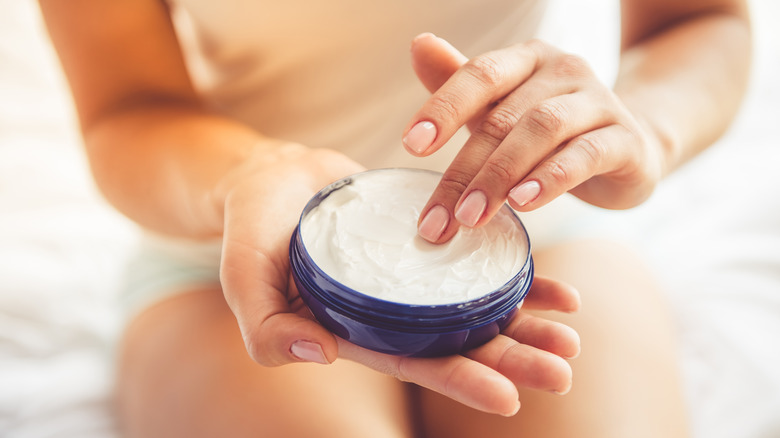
(400, 328)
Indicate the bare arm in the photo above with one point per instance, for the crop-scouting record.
(684, 69)
(155, 151)
(166, 162)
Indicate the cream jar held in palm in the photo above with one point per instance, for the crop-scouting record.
(367, 276)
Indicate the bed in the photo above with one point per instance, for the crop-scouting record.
(711, 232)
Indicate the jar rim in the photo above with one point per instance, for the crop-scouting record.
(323, 193)
(416, 317)
(398, 315)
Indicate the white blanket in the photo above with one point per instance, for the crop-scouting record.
(712, 232)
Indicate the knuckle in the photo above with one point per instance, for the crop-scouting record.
(570, 65)
(498, 123)
(261, 348)
(486, 69)
(446, 105)
(537, 45)
(454, 182)
(546, 119)
(541, 50)
(500, 171)
(556, 171)
(592, 147)
(254, 349)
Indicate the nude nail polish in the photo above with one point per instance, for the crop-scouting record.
(471, 209)
(308, 351)
(420, 137)
(434, 223)
(525, 193)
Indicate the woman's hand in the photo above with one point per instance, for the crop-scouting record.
(529, 353)
(541, 124)
(264, 199)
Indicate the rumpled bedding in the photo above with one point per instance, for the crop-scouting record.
(711, 233)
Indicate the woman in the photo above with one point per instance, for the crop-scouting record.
(222, 127)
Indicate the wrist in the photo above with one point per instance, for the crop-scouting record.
(259, 160)
(661, 139)
(663, 151)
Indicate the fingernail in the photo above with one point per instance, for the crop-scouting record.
(308, 352)
(433, 224)
(525, 193)
(471, 209)
(565, 391)
(421, 36)
(420, 137)
(515, 410)
(577, 347)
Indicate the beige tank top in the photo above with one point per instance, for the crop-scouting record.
(336, 73)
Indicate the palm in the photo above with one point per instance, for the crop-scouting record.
(260, 216)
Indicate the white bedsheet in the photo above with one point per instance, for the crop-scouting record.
(712, 232)
(60, 251)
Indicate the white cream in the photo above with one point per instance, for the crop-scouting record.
(364, 235)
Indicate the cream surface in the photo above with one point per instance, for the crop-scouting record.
(364, 235)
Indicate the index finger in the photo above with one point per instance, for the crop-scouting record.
(481, 81)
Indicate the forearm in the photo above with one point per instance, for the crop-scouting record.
(160, 164)
(685, 82)
(155, 152)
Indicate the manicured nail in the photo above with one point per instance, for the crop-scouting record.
(420, 137)
(470, 210)
(433, 224)
(514, 410)
(308, 352)
(565, 390)
(421, 36)
(525, 193)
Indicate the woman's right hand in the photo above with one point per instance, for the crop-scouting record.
(263, 200)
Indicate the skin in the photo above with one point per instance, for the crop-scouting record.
(184, 371)
(541, 120)
(166, 162)
(536, 114)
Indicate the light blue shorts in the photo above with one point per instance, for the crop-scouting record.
(162, 267)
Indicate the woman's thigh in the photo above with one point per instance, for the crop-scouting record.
(183, 371)
(626, 378)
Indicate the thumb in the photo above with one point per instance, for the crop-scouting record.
(273, 321)
(434, 60)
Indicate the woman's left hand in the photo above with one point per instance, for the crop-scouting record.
(541, 124)
(264, 197)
